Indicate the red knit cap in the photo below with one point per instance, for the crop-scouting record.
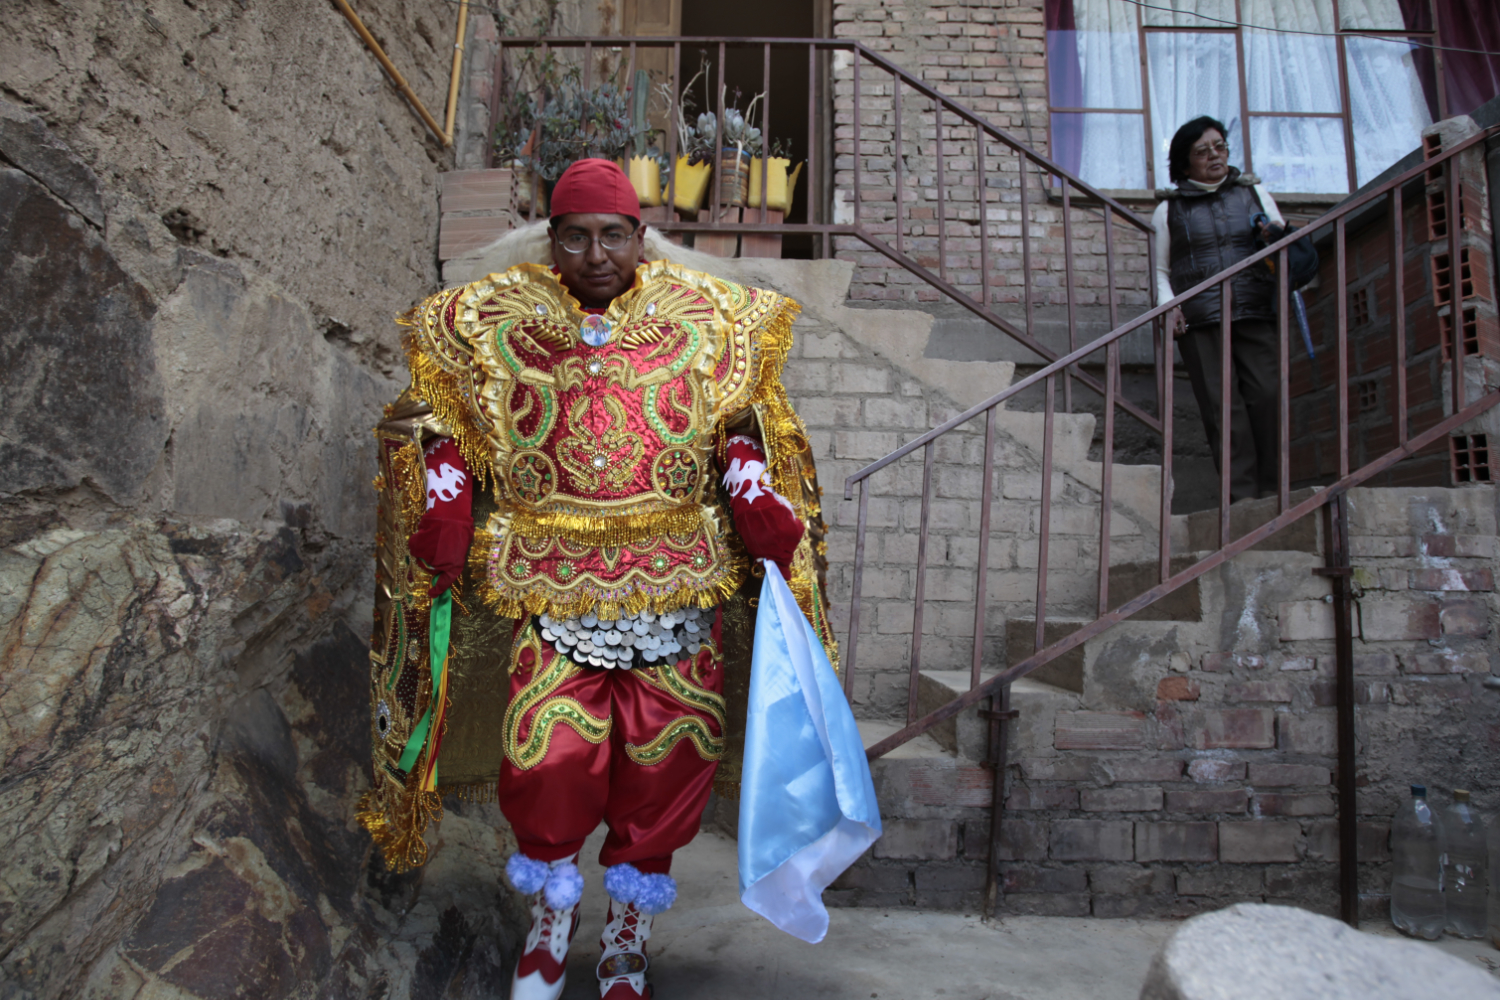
(595, 187)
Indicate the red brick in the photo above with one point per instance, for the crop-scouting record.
(1466, 618)
(1120, 799)
(1092, 840)
(1282, 804)
(1057, 768)
(1282, 775)
(1100, 731)
(1237, 728)
(1372, 841)
(1213, 769)
(1208, 800)
(950, 786)
(1439, 545)
(1166, 841)
(1446, 662)
(1177, 688)
(1258, 841)
(1024, 797)
(1451, 579)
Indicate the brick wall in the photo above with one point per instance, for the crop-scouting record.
(1429, 319)
(992, 59)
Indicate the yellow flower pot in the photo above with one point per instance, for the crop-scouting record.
(779, 187)
(645, 177)
(692, 184)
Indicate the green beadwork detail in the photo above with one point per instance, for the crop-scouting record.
(653, 417)
(543, 427)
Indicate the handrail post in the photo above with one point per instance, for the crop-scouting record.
(1338, 569)
(913, 682)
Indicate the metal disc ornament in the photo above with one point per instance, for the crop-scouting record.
(596, 331)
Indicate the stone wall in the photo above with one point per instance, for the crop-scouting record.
(209, 216)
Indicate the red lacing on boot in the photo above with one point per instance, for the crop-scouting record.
(539, 958)
(624, 954)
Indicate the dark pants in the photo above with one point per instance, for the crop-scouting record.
(1253, 410)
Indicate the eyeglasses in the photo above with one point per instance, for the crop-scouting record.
(1221, 147)
(612, 240)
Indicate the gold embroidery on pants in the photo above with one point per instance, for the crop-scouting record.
(526, 755)
(691, 727)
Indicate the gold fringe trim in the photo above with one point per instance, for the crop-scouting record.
(441, 390)
(609, 532)
(400, 833)
(410, 470)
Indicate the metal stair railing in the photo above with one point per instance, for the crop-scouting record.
(1331, 497)
(947, 134)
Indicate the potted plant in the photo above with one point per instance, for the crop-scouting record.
(738, 143)
(694, 164)
(780, 181)
(648, 166)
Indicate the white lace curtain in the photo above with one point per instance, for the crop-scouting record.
(1197, 73)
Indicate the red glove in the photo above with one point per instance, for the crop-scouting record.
(441, 541)
(765, 520)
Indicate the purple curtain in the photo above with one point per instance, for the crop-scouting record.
(1064, 84)
(1471, 78)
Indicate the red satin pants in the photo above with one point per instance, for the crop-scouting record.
(634, 748)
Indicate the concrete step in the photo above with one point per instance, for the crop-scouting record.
(967, 734)
(1246, 516)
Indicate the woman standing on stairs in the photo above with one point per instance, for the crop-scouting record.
(1204, 225)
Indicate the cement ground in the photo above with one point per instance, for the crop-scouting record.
(710, 947)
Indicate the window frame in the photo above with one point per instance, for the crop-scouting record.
(1344, 115)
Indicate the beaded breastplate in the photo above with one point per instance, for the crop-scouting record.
(598, 431)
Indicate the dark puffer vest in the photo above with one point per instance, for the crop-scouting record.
(1208, 232)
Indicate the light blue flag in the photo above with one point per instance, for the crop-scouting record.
(807, 804)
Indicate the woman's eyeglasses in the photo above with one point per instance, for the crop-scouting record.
(1221, 147)
(612, 240)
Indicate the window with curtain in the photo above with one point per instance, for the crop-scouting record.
(1317, 95)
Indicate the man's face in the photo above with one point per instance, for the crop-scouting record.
(1208, 159)
(596, 255)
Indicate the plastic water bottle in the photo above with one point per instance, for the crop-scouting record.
(1464, 880)
(1417, 848)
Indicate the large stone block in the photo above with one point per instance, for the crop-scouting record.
(1252, 950)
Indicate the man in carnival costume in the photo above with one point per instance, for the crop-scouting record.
(605, 448)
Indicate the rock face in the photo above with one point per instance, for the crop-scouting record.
(1254, 951)
(208, 216)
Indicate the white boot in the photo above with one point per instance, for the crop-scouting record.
(622, 966)
(542, 969)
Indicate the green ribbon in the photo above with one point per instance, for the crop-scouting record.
(439, 627)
